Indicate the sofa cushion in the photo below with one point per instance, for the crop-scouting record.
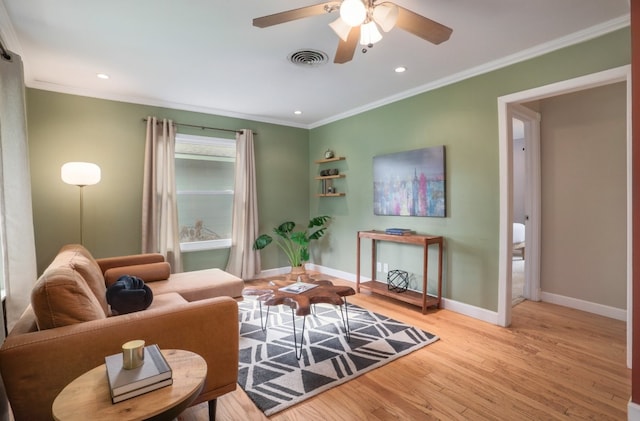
(200, 284)
(80, 260)
(61, 297)
(148, 272)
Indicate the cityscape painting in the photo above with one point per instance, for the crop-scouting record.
(410, 183)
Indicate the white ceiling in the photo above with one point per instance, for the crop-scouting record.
(205, 55)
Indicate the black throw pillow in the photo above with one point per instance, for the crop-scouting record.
(129, 294)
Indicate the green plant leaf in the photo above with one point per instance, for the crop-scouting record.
(318, 221)
(316, 235)
(261, 242)
(285, 228)
(300, 237)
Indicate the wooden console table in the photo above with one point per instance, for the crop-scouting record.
(422, 299)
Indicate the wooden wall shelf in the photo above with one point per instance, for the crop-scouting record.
(326, 181)
(330, 194)
(325, 177)
(337, 158)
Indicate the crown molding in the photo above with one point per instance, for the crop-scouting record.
(566, 41)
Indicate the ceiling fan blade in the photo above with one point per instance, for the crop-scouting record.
(303, 12)
(346, 49)
(425, 28)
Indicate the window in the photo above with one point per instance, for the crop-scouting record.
(205, 171)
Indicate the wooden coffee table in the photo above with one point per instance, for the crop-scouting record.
(301, 303)
(88, 398)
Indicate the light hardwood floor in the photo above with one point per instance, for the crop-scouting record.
(552, 363)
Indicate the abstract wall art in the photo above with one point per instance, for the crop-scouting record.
(410, 183)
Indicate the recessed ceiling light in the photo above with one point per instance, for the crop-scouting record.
(400, 69)
(297, 112)
(102, 76)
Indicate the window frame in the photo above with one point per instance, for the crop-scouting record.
(218, 244)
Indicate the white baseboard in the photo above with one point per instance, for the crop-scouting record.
(602, 310)
(451, 305)
(478, 313)
(470, 310)
(633, 411)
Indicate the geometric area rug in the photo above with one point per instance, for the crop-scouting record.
(275, 379)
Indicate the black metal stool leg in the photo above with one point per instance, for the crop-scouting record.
(295, 338)
(264, 323)
(345, 319)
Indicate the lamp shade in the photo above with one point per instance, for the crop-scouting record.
(353, 12)
(369, 34)
(386, 15)
(80, 173)
(341, 28)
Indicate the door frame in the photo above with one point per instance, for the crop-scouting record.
(606, 77)
(532, 206)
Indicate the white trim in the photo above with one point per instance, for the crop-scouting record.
(478, 313)
(571, 39)
(633, 411)
(595, 308)
(9, 36)
(606, 77)
(223, 243)
(336, 273)
(8, 32)
(448, 304)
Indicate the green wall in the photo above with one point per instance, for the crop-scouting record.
(463, 117)
(66, 128)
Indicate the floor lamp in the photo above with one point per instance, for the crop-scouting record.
(80, 174)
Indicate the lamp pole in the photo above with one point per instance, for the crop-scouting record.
(81, 213)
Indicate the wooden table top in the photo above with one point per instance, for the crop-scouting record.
(87, 397)
(325, 292)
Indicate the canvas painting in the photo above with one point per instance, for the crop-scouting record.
(410, 183)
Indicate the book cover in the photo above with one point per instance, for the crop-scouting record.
(298, 287)
(399, 231)
(142, 390)
(154, 370)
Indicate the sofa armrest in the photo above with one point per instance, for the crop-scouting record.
(36, 366)
(107, 263)
(148, 272)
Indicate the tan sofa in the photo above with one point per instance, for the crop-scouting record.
(69, 329)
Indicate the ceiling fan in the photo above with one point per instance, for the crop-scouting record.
(359, 21)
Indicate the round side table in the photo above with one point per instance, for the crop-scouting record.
(87, 397)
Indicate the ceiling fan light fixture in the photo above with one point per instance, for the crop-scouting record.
(341, 28)
(386, 15)
(353, 12)
(369, 33)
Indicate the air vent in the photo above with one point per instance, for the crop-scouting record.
(308, 58)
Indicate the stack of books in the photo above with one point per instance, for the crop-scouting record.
(298, 287)
(126, 384)
(398, 231)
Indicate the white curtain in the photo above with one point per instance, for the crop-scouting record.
(159, 203)
(244, 262)
(17, 242)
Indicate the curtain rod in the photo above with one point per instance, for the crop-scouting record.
(3, 52)
(206, 128)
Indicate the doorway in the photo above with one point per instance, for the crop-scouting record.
(506, 106)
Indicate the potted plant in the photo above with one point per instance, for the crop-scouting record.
(295, 244)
